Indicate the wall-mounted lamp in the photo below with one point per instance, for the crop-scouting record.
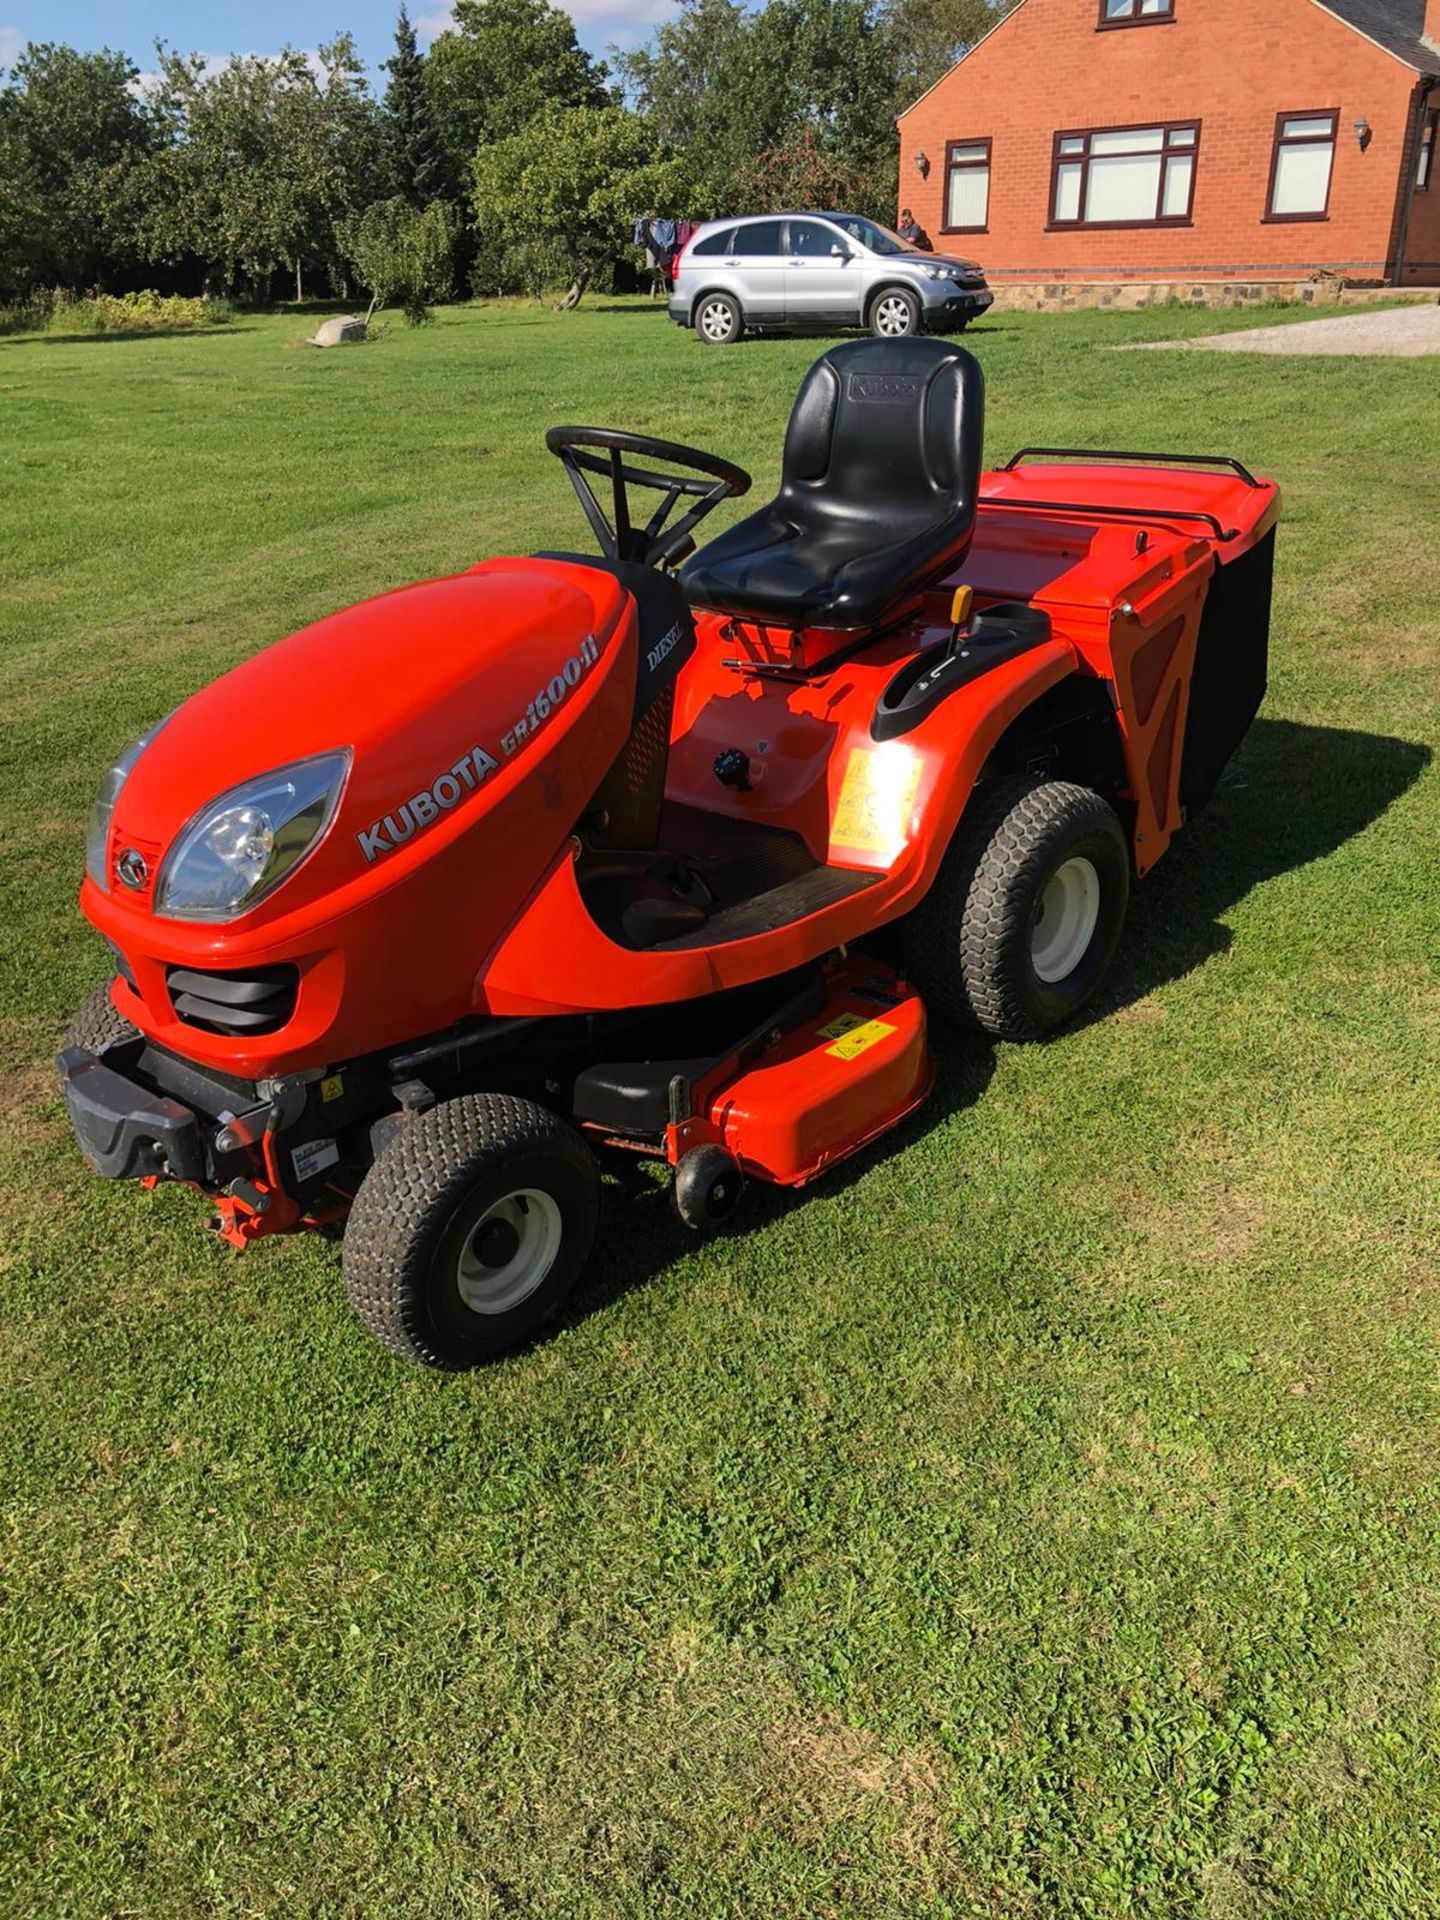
(922, 165)
(1364, 133)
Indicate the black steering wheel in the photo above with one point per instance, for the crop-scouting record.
(602, 450)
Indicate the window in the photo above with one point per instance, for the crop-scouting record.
(715, 242)
(1300, 170)
(878, 239)
(762, 238)
(814, 240)
(1125, 177)
(967, 186)
(1135, 13)
(1425, 161)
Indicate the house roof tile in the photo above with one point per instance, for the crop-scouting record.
(1397, 25)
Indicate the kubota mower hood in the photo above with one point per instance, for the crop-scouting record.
(347, 746)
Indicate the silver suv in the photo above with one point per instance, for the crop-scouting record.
(785, 272)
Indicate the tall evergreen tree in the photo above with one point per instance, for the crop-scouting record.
(412, 138)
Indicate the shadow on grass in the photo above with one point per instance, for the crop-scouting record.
(835, 335)
(110, 339)
(1293, 795)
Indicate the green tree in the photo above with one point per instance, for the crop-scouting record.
(824, 67)
(402, 253)
(72, 125)
(501, 63)
(23, 231)
(263, 159)
(348, 130)
(672, 80)
(412, 140)
(555, 202)
(929, 36)
(802, 91)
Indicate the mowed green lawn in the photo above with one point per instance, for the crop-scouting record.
(1036, 1519)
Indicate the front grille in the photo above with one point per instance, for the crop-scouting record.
(237, 1003)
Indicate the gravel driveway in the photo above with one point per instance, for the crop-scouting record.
(1403, 331)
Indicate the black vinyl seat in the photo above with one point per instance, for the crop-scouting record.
(877, 492)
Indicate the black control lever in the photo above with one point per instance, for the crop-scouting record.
(998, 634)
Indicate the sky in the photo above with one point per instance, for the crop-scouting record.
(218, 27)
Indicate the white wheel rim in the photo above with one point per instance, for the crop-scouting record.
(1065, 920)
(509, 1251)
(892, 316)
(716, 320)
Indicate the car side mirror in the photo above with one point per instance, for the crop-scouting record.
(841, 253)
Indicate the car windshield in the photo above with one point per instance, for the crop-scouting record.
(877, 238)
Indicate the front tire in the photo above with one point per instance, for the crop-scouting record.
(894, 314)
(1025, 914)
(719, 321)
(97, 1025)
(470, 1229)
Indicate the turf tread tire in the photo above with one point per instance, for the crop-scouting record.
(413, 1190)
(967, 943)
(97, 1024)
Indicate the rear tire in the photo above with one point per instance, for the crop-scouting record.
(1018, 929)
(719, 321)
(470, 1229)
(894, 314)
(97, 1025)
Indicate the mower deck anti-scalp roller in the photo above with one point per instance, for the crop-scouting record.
(426, 911)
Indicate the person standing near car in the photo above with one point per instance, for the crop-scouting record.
(912, 233)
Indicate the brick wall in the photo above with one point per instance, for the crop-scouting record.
(1233, 65)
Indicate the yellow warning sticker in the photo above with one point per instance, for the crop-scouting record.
(876, 798)
(853, 1035)
(332, 1086)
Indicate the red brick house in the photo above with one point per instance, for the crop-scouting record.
(1165, 140)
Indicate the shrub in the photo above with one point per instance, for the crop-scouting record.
(33, 311)
(147, 312)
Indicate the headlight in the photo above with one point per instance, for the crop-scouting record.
(939, 273)
(245, 843)
(97, 828)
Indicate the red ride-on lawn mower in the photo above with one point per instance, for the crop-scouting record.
(417, 907)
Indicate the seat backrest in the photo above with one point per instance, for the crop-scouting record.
(887, 429)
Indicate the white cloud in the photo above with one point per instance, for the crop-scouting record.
(429, 26)
(620, 16)
(11, 41)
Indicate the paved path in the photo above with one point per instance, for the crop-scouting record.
(1404, 331)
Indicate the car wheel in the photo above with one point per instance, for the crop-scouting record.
(470, 1229)
(894, 313)
(1025, 913)
(718, 320)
